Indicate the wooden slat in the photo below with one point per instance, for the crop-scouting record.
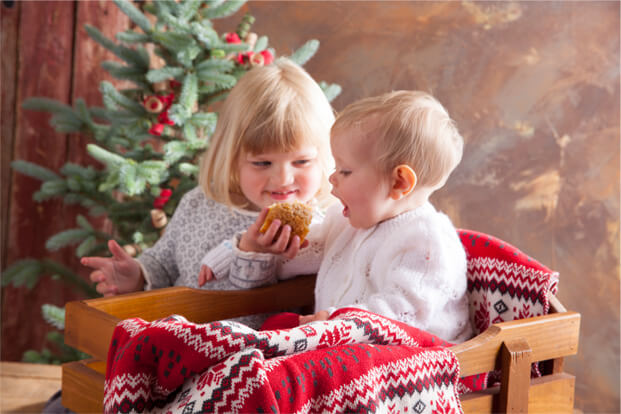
(88, 329)
(8, 75)
(515, 357)
(90, 323)
(553, 394)
(88, 73)
(83, 386)
(549, 336)
(45, 52)
(550, 394)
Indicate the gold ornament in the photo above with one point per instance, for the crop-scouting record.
(131, 249)
(153, 104)
(257, 60)
(158, 218)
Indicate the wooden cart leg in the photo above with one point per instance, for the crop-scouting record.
(515, 360)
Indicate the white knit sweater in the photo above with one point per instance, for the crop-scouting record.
(411, 268)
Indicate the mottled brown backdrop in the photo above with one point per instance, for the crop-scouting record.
(533, 86)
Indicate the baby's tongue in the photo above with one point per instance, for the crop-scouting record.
(346, 211)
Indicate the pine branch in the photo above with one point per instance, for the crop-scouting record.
(120, 71)
(188, 169)
(22, 273)
(305, 52)
(165, 73)
(129, 36)
(33, 170)
(86, 247)
(205, 33)
(261, 44)
(330, 90)
(134, 14)
(48, 105)
(221, 10)
(111, 160)
(188, 9)
(69, 276)
(65, 238)
(113, 99)
(54, 315)
(138, 57)
(215, 65)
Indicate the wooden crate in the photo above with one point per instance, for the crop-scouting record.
(509, 346)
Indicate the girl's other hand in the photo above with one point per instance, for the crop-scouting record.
(205, 275)
(117, 274)
(255, 241)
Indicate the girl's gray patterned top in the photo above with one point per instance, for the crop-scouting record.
(197, 226)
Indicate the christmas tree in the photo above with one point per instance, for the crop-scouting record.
(147, 136)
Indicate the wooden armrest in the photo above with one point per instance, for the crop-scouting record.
(89, 324)
(549, 336)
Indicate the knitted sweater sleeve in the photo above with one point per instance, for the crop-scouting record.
(252, 269)
(158, 262)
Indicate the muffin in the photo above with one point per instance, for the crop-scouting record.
(297, 215)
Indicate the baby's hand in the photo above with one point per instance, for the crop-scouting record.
(319, 316)
(255, 241)
(205, 275)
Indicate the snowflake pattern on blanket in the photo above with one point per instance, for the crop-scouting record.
(355, 362)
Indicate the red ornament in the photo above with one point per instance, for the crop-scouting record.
(163, 118)
(232, 38)
(156, 129)
(167, 100)
(161, 200)
(243, 58)
(267, 57)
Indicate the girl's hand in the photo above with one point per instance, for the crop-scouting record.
(205, 275)
(255, 241)
(319, 316)
(117, 274)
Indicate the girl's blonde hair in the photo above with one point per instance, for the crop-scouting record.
(407, 127)
(278, 107)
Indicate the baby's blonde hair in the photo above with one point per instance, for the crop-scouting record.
(407, 127)
(278, 107)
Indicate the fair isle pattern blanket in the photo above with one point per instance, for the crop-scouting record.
(355, 362)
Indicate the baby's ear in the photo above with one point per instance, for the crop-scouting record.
(403, 181)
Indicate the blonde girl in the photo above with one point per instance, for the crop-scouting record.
(271, 144)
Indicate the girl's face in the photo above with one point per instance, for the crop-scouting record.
(272, 177)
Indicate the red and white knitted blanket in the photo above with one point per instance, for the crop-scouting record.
(355, 362)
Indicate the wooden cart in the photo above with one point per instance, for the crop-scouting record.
(510, 347)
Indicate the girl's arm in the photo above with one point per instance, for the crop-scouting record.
(264, 266)
(159, 263)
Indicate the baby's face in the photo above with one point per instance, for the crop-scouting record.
(363, 191)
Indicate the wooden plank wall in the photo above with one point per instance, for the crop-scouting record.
(533, 86)
(62, 66)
